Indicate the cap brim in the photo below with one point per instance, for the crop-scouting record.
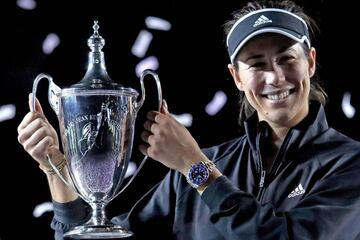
(285, 32)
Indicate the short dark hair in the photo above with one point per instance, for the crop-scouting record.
(317, 92)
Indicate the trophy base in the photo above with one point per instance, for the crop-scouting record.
(98, 232)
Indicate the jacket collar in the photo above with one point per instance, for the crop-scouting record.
(311, 126)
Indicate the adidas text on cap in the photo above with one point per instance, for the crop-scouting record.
(267, 20)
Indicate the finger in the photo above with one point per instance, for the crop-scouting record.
(29, 127)
(148, 125)
(151, 115)
(30, 117)
(145, 136)
(36, 137)
(41, 149)
(157, 117)
(26, 120)
(164, 108)
(38, 107)
(143, 149)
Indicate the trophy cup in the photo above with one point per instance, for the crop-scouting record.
(96, 118)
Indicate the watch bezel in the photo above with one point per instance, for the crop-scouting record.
(199, 174)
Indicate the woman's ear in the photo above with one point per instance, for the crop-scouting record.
(235, 76)
(312, 61)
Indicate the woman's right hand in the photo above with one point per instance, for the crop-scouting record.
(38, 137)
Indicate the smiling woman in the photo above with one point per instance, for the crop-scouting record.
(282, 19)
(274, 73)
(287, 177)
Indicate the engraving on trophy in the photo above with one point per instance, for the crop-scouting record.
(98, 145)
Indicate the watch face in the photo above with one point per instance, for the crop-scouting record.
(198, 174)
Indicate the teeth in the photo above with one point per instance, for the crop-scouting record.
(278, 96)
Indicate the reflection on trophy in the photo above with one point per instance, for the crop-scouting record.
(96, 118)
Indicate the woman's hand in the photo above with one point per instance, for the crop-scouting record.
(169, 142)
(38, 137)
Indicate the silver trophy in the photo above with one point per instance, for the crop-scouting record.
(96, 119)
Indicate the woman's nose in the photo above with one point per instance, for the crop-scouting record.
(275, 75)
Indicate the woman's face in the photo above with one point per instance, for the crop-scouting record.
(274, 73)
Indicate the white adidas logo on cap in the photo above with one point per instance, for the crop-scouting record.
(261, 20)
(299, 190)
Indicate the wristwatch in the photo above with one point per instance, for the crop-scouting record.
(198, 174)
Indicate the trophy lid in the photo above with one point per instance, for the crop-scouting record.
(96, 76)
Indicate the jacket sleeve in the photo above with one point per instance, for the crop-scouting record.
(68, 215)
(331, 210)
(154, 212)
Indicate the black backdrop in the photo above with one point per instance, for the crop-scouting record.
(192, 68)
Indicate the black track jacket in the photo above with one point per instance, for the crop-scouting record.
(311, 192)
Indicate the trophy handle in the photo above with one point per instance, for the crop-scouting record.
(53, 92)
(53, 97)
(158, 85)
(137, 107)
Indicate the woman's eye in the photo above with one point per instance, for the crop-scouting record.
(257, 65)
(285, 59)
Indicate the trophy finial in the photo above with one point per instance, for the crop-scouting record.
(96, 28)
(96, 75)
(96, 42)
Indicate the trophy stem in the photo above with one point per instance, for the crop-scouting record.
(98, 216)
(98, 227)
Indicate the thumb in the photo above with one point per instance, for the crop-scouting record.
(164, 108)
(38, 107)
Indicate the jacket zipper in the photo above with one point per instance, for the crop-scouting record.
(261, 186)
(279, 156)
(262, 179)
(262, 172)
(275, 167)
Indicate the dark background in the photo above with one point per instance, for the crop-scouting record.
(192, 68)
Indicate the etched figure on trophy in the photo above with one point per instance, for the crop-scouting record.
(96, 119)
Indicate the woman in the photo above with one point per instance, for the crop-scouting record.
(290, 176)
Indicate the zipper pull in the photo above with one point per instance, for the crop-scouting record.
(262, 179)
